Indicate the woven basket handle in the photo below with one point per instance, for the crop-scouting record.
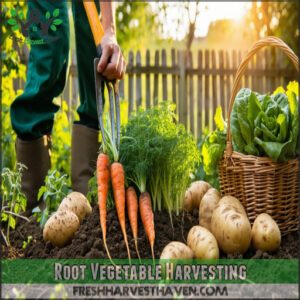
(267, 41)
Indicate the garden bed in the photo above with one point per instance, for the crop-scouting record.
(87, 242)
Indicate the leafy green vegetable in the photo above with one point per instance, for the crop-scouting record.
(158, 155)
(52, 193)
(266, 125)
(14, 201)
(212, 148)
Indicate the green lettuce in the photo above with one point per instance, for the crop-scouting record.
(266, 125)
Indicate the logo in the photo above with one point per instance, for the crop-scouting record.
(37, 29)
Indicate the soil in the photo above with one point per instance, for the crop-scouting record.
(87, 242)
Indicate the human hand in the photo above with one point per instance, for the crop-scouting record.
(112, 64)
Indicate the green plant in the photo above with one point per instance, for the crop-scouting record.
(54, 190)
(266, 125)
(158, 155)
(212, 146)
(26, 243)
(14, 201)
(12, 68)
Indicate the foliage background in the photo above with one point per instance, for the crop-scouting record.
(139, 27)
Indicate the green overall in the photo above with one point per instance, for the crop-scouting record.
(32, 113)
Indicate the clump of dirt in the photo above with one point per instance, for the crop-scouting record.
(87, 242)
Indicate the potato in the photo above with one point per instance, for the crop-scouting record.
(265, 233)
(76, 203)
(194, 194)
(176, 250)
(231, 228)
(60, 228)
(207, 206)
(202, 243)
(232, 201)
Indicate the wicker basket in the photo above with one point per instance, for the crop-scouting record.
(262, 185)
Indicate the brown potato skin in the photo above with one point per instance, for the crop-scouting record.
(76, 203)
(194, 194)
(232, 201)
(208, 204)
(265, 233)
(231, 228)
(203, 243)
(60, 228)
(176, 250)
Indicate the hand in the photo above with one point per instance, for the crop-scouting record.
(112, 63)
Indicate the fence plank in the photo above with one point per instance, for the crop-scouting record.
(234, 64)
(200, 112)
(259, 67)
(174, 79)
(239, 60)
(215, 100)
(138, 90)
(148, 86)
(207, 99)
(271, 64)
(130, 85)
(191, 94)
(164, 76)
(182, 88)
(213, 75)
(155, 90)
(247, 77)
(121, 89)
(222, 96)
(228, 80)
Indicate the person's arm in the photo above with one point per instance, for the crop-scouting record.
(112, 64)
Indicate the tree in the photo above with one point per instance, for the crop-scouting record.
(276, 18)
(136, 24)
(187, 15)
(12, 68)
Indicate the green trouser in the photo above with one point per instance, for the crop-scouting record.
(32, 113)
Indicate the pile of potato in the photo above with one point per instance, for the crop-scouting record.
(223, 223)
(62, 225)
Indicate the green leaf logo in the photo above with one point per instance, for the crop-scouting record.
(13, 12)
(53, 27)
(56, 12)
(16, 27)
(57, 21)
(48, 15)
(11, 22)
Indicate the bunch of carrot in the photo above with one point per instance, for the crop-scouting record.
(115, 173)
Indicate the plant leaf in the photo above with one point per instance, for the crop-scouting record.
(13, 12)
(11, 21)
(48, 15)
(56, 12)
(218, 118)
(16, 27)
(42, 190)
(57, 21)
(11, 222)
(53, 27)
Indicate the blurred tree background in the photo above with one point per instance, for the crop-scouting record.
(280, 18)
(153, 25)
(136, 25)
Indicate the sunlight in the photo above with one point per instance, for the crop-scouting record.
(208, 12)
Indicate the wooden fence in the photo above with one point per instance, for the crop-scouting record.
(197, 82)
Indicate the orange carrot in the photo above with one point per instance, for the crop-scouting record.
(132, 210)
(103, 178)
(147, 218)
(118, 184)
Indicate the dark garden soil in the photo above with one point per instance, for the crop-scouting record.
(87, 242)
